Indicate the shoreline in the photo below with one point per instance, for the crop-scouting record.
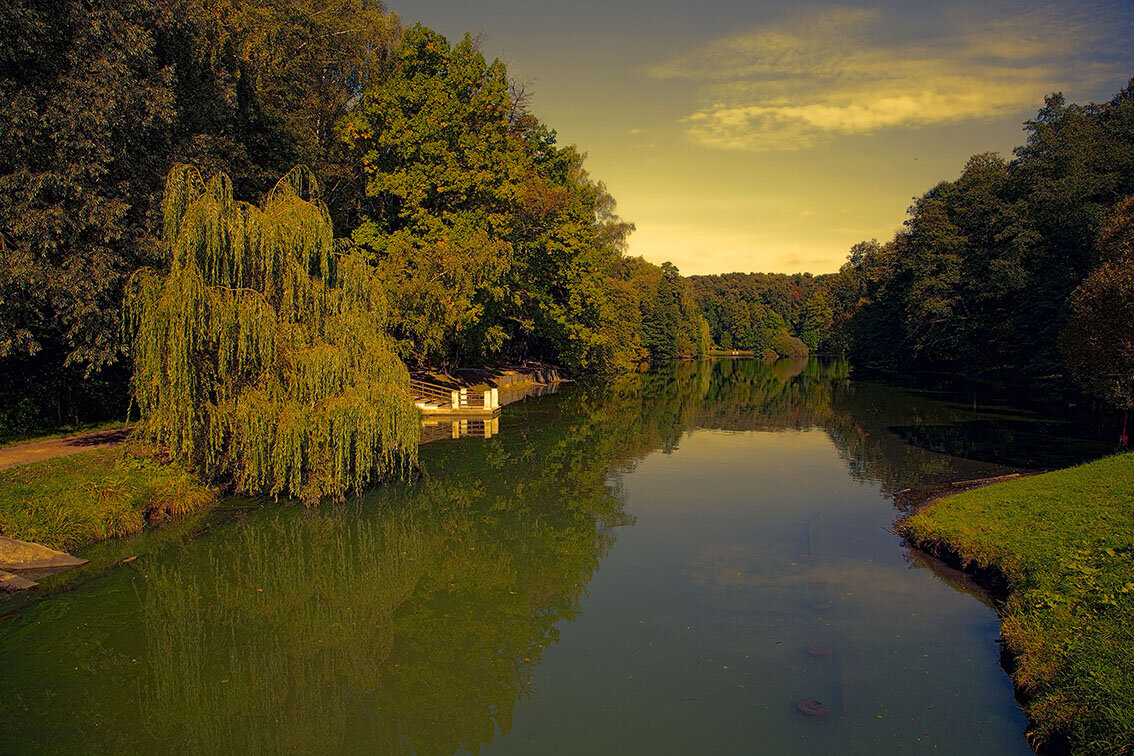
(1053, 557)
(110, 498)
(77, 501)
(992, 581)
(989, 579)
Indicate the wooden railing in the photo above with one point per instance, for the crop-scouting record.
(456, 399)
(423, 390)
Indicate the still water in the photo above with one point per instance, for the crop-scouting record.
(665, 563)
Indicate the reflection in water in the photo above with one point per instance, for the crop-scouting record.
(410, 629)
(896, 437)
(405, 622)
(413, 620)
(439, 429)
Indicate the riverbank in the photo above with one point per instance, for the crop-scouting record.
(67, 493)
(1062, 545)
(70, 502)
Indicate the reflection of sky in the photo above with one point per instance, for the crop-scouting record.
(773, 136)
(693, 637)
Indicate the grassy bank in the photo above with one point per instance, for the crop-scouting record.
(71, 502)
(1064, 542)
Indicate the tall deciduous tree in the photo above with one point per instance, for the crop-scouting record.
(87, 105)
(817, 316)
(492, 240)
(661, 318)
(1098, 343)
(444, 171)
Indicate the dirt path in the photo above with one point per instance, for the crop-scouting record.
(34, 451)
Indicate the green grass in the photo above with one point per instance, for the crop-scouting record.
(71, 502)
(1065, 543)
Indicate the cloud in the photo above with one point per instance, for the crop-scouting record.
(795, 86)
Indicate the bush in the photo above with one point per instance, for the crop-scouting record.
(786, 345)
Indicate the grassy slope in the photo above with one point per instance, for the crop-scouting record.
(1065, 542)
(70, 502)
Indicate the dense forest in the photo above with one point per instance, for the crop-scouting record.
(489, 239)
(1019, 269)
(764, 312)
(981, 277)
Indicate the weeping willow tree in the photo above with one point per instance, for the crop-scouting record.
(262, 356)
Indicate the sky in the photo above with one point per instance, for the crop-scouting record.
(772, 136)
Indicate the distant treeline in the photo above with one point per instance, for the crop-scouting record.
(1019, 268)
(766, 312)
(491, 241)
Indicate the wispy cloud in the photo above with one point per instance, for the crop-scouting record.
(796, 85)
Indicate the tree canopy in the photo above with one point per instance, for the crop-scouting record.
(763, 312)
(488, 238)
(991, 268)
(492, 240)
(99, 100)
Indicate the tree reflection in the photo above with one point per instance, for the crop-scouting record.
(411, 620)
(898, 438)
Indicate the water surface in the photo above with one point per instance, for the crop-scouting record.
(663, 563)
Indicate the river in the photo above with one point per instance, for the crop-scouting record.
(663, 563)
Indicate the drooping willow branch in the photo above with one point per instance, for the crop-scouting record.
(262, 355)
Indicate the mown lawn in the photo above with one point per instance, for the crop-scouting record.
(71, 502)
(1065, 543)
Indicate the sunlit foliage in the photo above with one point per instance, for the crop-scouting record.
(760, 311)
(671, 325)
(493, 241)
(262, 354)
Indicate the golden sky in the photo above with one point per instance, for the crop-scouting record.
(749, 136)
